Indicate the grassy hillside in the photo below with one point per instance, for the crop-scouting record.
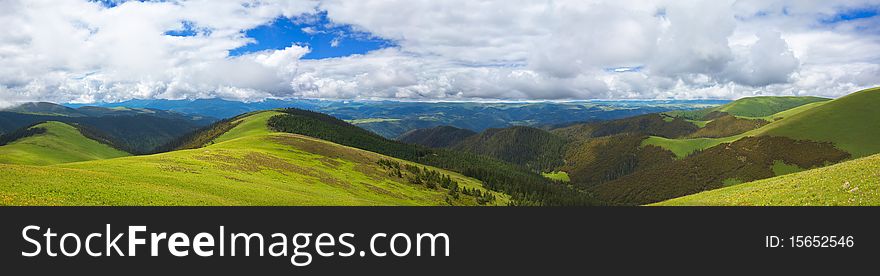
(524, 187)
(764, 106)
(849, 183)
(137, 133)
(683, 147)
(851, 122)
(253, 166)
(726, 126)
(254, 124)
(61, 143)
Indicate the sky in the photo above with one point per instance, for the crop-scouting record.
(81, 51)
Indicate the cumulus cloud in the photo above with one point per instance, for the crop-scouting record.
(83, 51)
(768, 61)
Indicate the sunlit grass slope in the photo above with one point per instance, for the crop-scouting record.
(851, 123)
(252, 167)
(855, 182)
(765, 106)
(61, 143)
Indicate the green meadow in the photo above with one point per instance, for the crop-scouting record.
(61, 143)
(249, 165)
(848, 122)
(558, 176)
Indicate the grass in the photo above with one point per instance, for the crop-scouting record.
(254, 124)
(62, 143)
(558, 176)
(855, 182)
(686, 146)
(698, 123)
(781, 168)
(786, 113)
(252, 166)
(851, 122)
(765, 106)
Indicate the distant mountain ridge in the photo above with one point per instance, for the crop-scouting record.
(56, 143)
(391, 119)
(436, 137)
(138, 131)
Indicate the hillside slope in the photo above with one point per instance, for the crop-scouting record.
(135, 133)
(853, 182)
(851, 122)
(749, 107)
(256, 167)
(524, 187)
(61, 143)
(765, 106)
(848, 122)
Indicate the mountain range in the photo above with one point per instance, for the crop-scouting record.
(391, 119)
(752, 151)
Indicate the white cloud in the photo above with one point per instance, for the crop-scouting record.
(75, 50)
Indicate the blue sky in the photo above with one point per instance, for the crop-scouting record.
(435, 50)
(853, 14)
(324, 38)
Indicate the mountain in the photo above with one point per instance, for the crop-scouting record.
(214, 108)
(524, 187)
(603, 151)
(851, 122)
(138, 131)
(44, 108)
(51, 109)
(436, 137)
(391, 119)
(650, 124)
(805, 137)
(55, 143)
(247, 165)
(95, 111)
(849, 183)
(765, 106)
(747, 159)
(753, 107)
(535, 149)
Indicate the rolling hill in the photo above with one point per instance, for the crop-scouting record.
(44, 108)
(808, 136)
(765, 106)
(849, 183)
(138, 131)
(752, 107)
(851, 122)
(524, 187)
(59, 143)
(436, 137)
(248, 165)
